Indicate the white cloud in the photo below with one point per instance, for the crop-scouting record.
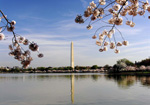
(130, 31)
(33, 18)
(136, 49)
(141, 42)
(70, 14)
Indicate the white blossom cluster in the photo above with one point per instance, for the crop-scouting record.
(118, 11)
(24, 56)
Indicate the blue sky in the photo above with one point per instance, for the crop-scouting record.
(50, 23)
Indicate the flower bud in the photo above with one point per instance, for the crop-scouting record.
(40, 55)
(89, 27)
(13, 22)
(125, 43)
(34, 47)
(117, 51)
(94, 37)
(101, 50)
(105, 48)
(10, 29)
(2, 36)
(10, 47)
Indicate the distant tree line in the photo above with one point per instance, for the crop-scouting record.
(145, 62)
(121, 65)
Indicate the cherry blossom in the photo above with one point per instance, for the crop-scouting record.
(113, 13)
(16, 49)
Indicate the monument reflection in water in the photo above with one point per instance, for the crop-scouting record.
(72, 88)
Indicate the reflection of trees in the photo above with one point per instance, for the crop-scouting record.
(10, 78)
(126, 81)
(123, 81)
(95, 77)
(42, 77)
(145, 80)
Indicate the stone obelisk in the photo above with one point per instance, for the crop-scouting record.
(72, 56)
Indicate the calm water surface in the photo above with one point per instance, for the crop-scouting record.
(74, 89)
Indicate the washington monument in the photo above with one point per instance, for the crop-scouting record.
(72, 76)
(72, 56)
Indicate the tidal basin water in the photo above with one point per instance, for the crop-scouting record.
(74, 89)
